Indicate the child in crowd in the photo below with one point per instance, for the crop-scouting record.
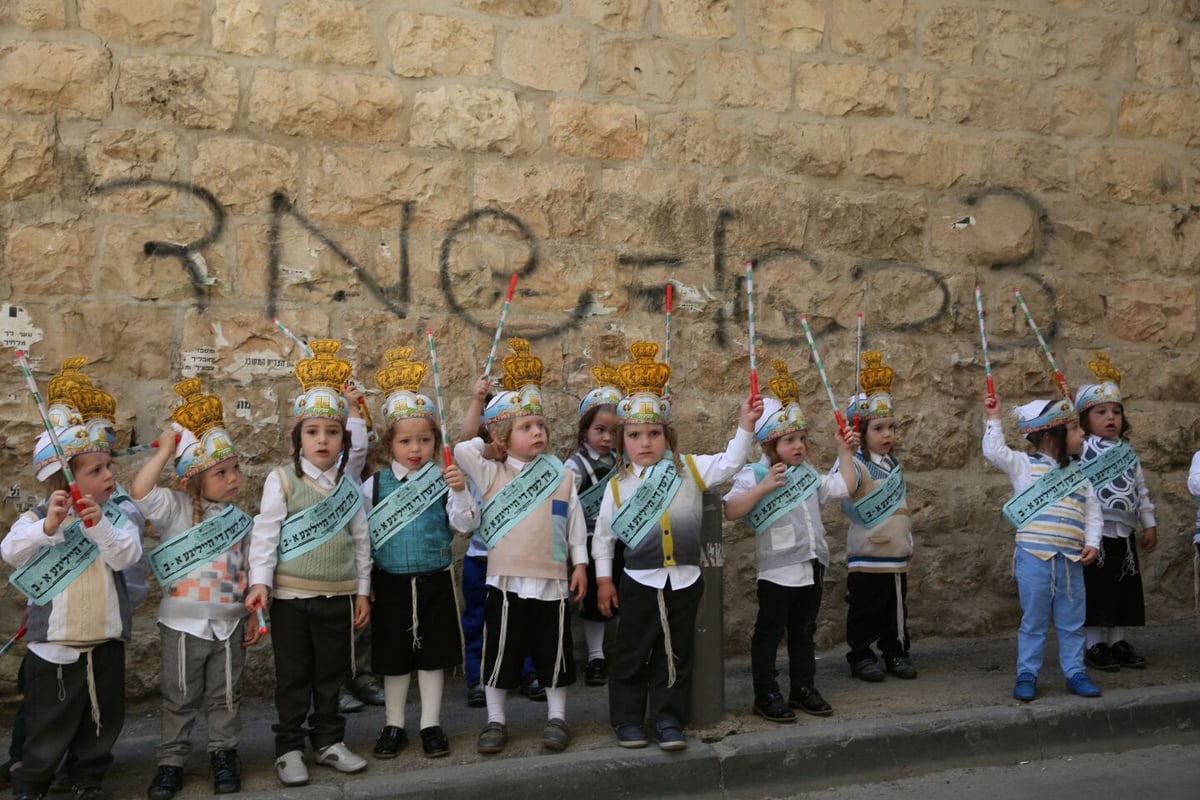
(533, 527)
(653, 506)
(879, 545)
(592, 465)
(413, 509)
(1058, 523)
(780, 498)
(68, 559)
(201, 565)
(310, 549)
(1113, 580)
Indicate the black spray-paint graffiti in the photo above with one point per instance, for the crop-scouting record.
(728, 308)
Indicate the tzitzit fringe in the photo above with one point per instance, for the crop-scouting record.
(495, 676)
(181, 657)
(353, 665)
(91, 687)
(462, 640)
(900, 613)
(416, 636)
(559, 660)
(1129, 564)
(666, 629)
(229, 672)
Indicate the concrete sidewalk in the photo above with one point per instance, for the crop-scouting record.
(959, 712)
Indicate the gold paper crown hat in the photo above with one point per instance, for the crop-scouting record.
(606, 393)
(82, 415)
(203, 442)
(61, 406)
(400, 381)
(522, 382)
(783, 416)
(876, 382)
(322, 376)
(1107, 388)
(644, 380)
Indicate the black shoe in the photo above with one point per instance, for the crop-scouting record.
(476, 697)
(167, 781)
(900, 666)
(434, 742)
(867, 669)
(595, 674)
(1124, 655)
(531, 687)
(771, 707)
(809, 700)
(226, 771)
(1100, 657)
(390, 742)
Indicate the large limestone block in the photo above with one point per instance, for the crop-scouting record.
(1080, 111)
(326, 105)
(515, 8)
(798, 25)
(116, 345)
(802, 149)
(837, 90)
(1194, 54)
(1026, 44)
(1098, 49)
(26, 158)
(239, 26)
(652, 208)
(875, 28)
(745, 79)
(324, 32)
(951, 36)
(1165, 116)
(1160, 54)
(554, 200)
(49, 260)
(698, 19)
(920, 91)
(49, 77)
(613, 15)
(996, 103)
(143, 22)
(36, 15)
(917, 158)
(190, 91)
(653, 69)
(885, 225)
(1030, 164)
(1163, 312)
(769, 213)
(120, 154)
(597, 130)
(549, 57)
(700, 137)
(1006, 231)
(431, 44)
(1128, 175)
(127, 272)
(474, 119)
(243, 173)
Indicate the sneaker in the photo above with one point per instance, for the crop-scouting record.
(595, 673)
(167, 782)
(492, 738)
(809, 700)
(631, 735)
(867, 669)
(901, 667)
(1082, 685)
(1123, 652)
(434, 742)
(1025, 689)
(290, 768)
(368, 689)
(555, 736)
(1100, 657)
(338, 756)
(390, 742)
(532, 688)
(771, 707)
(476, 697)
(348, 703)
(89, 793)
(669, 735)
(226, 771)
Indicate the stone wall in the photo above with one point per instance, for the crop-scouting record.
(173, 174)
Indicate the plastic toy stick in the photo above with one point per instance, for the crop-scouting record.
(837, 412)
(753, 338)
(441, 404)
(487, 368)
(667, 343)
(262, 620)
(1058, 375)
(140, 448)
(16, 637)
(987, 364)
(857, 370)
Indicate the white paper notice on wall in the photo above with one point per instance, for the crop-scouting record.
(201, 361)
(16, 328)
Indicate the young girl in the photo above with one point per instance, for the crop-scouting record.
(532, 524)
(201, 567)
(780, 497)
(592, 465)
(1058, 525)
(1113, 581)
(79, 622)
(879, 543)
(412, 522)
(310, 548)
(653, 505)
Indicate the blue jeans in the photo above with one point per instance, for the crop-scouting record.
(1053, 587)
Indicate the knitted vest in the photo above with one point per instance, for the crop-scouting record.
(1119, 498)
(536, 547)
(589, 471)
(211, 591)
(327, 569)
(423, 545)
(887, 546)
(1060, 527)
(684, 513)
(786, 543)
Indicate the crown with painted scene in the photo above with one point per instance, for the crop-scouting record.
(644, 380)
(1107, 388)
(783, 416)
(522, 383)
(400, 382)
(203, 440)
(322, 376)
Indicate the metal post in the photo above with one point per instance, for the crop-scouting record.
(708, 670)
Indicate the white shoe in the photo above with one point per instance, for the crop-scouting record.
(340, 758)
(290, 768)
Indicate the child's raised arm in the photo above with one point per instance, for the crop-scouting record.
(848, 442)
(147, 477)
(740, 504)
(470, 420)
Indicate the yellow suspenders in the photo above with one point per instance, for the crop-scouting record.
(664, 522)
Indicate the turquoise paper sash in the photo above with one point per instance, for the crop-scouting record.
(1045, 492)
(532, 486)
(54, 567)
(422, 489)
(1111, 464)
(802, 481)
(310, 528)
(640, 513)
(199, 544)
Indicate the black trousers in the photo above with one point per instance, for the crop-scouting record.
(58, 716)
(638, 675)
(531, 631)
(1113, 596)
(871, 615)
(312, 661)
(790, 609)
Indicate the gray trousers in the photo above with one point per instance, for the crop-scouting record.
(199, 680)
